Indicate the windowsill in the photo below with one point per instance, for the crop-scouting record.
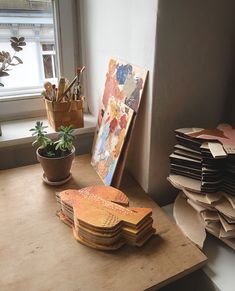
(16, 95)
(17, 131)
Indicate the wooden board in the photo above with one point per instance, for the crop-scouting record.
(110, 140)
(96, 214)
(39, 253)
(117, 177)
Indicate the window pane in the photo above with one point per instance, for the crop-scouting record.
(47, 61)
(47, 47)
(33, 20)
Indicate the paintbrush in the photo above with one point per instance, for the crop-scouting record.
(78, 86)
(60, 90)
(70, 86)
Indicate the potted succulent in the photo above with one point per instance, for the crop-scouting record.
(55, 157)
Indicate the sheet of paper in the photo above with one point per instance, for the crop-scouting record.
(181, 182)
(217, 150)
(189, 221)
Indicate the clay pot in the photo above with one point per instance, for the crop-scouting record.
(56, 169)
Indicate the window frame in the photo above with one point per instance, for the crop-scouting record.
(68, 53)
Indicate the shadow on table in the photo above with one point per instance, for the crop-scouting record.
(197, 281)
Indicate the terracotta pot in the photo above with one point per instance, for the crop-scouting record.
(56, 169)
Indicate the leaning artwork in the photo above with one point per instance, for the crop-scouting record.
(124, 82)
(110, 139)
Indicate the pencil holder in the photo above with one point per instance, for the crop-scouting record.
(65, 113)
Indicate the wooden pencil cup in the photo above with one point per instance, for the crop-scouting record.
(65, 113)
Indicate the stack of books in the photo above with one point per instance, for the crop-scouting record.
(203, 167)
(100, 217)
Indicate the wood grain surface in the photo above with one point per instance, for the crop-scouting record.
(38, 252)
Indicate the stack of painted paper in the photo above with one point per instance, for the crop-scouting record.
(100, 220)
(203, 167)
(117, 113)
(197, 212)
(205, 159)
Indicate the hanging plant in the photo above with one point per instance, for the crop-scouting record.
(7, 60)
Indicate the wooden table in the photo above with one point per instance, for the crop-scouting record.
(39, 252)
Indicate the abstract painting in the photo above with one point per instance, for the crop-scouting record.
(125, 83)
(112, 132)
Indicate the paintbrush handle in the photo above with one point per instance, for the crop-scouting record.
(70, 86)
(60, 91)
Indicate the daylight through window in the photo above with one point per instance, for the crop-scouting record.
(34, 21)
(48, 55)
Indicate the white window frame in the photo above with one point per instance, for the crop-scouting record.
(66, 17)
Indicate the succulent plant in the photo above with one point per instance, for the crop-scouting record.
(39, 132)
(49, 148)
(7, 61)
(66, 138)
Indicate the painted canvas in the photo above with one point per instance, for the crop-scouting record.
(124, 82)
(110, 139)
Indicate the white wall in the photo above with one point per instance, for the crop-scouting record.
(125, 30)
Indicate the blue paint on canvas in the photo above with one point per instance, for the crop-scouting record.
(109, 176)
(122, 72)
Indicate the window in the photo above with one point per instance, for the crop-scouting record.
(34, 21)
(50, 31)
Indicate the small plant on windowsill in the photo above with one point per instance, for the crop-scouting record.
(7, 60)
(55, 157)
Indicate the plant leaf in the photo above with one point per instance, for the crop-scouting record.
(14, 39)
(18, 59)
(3, 74)
(22, 43)
(17, 48)
(35, 142)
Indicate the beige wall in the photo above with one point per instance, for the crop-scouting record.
(194, 61)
